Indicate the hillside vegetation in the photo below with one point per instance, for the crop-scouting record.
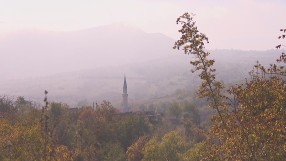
(224, 105)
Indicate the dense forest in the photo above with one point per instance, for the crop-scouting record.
(244, 120)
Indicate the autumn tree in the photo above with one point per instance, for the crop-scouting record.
(171, 147)
(111, 151)
(18, 142)
(130, 128)
(250, 118)
(7, 108)
(135, 151)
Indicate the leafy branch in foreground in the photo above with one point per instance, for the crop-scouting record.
(250, 122)
(192, 42)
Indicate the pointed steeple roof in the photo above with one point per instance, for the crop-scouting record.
(125, 86)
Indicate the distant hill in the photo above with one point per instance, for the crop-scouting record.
(34, 53)
(84, 66)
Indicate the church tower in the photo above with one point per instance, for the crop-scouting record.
(125, 97)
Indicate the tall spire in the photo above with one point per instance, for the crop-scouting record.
(125, 86)
(125, 107)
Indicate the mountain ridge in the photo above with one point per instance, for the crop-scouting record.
(81, 67)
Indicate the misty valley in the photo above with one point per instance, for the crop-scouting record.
(117, 93)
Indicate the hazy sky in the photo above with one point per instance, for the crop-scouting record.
(237, 24)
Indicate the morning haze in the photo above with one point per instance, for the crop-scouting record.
(88, 65)
(56, 45)
(110, 80)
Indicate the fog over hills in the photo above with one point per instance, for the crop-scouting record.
(36, 53)
(84, 66)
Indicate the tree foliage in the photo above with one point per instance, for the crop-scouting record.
(248, 121)
(251, 117)
(171, 147)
